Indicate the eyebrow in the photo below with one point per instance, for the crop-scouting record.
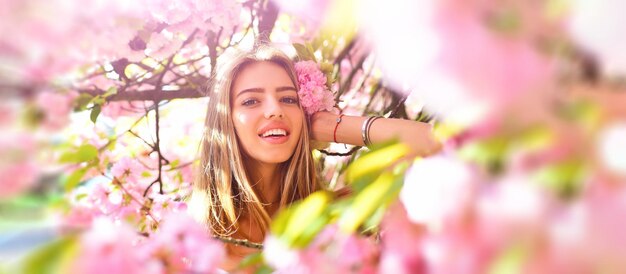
(261, 90)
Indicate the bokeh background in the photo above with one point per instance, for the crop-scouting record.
(101, 112)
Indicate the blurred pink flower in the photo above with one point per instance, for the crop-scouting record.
(56, 108)
(127, 169)
(611, 147)
(605, 206)
(217, 14)
(488, 64)
(106, 199)
(8, 113)
(171, 12)
(512, 209)
(183, 245)
(450, 59)
(117, 109)
(109, 248)
(311, 13)
(402, 241)
(165, 204)
(78, 217)
(588, 236)
(437, 190)
(16, 178)
(18, 169)
(330, 252)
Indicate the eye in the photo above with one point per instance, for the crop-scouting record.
(289, 100)
(249, 102)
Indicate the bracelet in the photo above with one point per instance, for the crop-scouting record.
(369, 141)
(365, 129)
(337, 126)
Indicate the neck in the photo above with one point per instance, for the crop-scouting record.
(265, 180)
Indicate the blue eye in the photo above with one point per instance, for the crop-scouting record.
(290, 100)
(249, 102)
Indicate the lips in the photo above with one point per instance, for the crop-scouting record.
(274, 133)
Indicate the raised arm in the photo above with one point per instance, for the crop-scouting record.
(418, 136)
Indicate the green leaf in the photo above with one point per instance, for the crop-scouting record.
(81, 102)
(310, 231)
(84, 153)
(374, 220)
(369, 200)
(110, 91)
(174, 164)
(250, 260)
(264, 270)
(303, 52)
(33, 116)
(51, 258)
(95, 111)
(511, 260)
(564, 178)
(489, 153)
(367, 168)
(75, 178)
(291, 224)
(506, 21)
(310, 50)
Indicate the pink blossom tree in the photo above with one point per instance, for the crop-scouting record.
(102, 108)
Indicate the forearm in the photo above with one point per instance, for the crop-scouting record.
(418, 136)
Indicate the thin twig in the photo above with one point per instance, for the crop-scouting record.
(143, 206)
(350, 152)
(241, 242)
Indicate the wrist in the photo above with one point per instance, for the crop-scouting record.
(323, 125)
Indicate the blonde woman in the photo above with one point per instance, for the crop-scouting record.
(256, 154)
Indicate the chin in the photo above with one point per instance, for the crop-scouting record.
(274, 159)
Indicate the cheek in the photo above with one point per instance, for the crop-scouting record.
(297, 120)
(241, 118)
(244, 122)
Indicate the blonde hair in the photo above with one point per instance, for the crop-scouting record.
(222, 189)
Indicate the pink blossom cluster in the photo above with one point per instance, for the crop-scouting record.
(18, 169)
(180, 245)
(331, 251)
(454, 60)
(123, 198)
(307, 17)
(55, 107)
(455, 216)
(314, 95)
(43, 48)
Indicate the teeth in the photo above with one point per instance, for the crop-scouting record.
(280, 132)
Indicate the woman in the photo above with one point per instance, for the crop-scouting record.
(256, 154)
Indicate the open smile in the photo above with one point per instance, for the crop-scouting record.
(275, 135)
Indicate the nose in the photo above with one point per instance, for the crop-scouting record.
(273, 108)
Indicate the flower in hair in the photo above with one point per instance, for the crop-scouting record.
(314, 95)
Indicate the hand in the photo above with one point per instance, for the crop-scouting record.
(322, 125)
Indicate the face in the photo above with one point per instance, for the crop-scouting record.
(266, 113)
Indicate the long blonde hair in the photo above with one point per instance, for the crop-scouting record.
(222, 189)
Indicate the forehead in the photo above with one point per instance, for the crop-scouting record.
(267, 75)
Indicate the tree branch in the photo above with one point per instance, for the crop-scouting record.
(267, 20)
(148, 95)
